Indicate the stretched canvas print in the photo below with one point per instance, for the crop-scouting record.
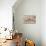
(30, 19)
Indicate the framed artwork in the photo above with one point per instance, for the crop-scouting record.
(29, 19)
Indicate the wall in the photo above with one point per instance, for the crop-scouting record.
(43, 22)
(30, 31)
(6, 13)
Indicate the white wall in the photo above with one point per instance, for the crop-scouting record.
(6, 13)
(31, 31)
(43, 22)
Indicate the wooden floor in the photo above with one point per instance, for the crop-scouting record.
(9, 43)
